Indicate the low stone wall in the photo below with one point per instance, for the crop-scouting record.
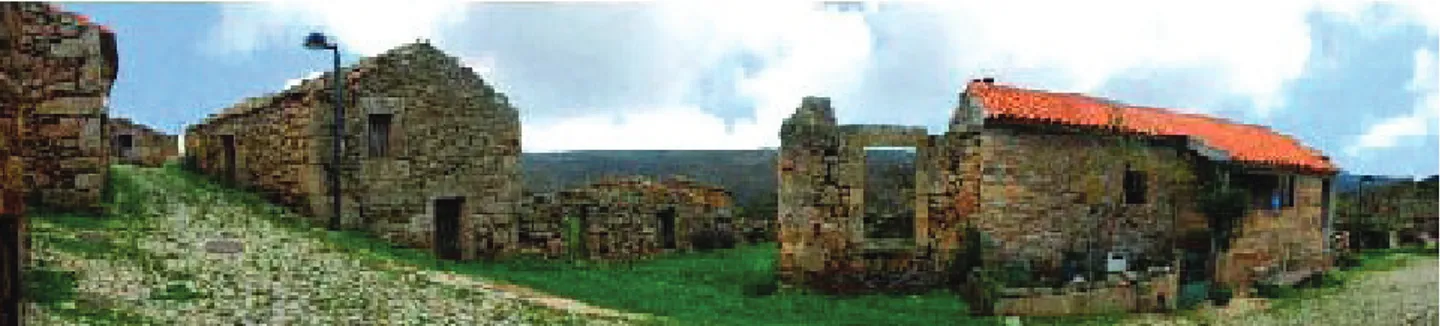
(146, 146)
(621, 217)
(1155, 294)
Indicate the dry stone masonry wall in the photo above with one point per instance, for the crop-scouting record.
(420, 129)
(133, 143)
(64, 67)
(626, 218)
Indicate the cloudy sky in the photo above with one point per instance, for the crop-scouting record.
(1355, 79)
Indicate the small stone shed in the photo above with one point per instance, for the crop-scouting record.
(1058, 184)
(626, 217)
(57, 68)
(138, 144)
(431, 156)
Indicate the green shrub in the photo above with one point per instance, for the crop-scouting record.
(1221, 295)
(1274, 291)
(47, 286)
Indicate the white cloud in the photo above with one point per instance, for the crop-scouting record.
(1249, 53)
(366, 27)
(296, 81)
(1421, 122)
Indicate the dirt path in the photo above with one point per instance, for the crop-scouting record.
(1405, 296)
(243, 269)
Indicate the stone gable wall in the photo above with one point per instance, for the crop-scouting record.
(70, 65)
(149, 147)
(450, 136)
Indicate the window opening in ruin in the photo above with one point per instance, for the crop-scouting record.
(379, 135)
(447, 227)
(228, 142)
(1135, 186)
(889, 192)
(666, 218)
(123, 143)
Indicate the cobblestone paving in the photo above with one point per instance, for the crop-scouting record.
(280, 277)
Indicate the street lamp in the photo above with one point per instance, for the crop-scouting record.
(318, 41)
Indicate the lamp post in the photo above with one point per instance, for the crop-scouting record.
(318, 41)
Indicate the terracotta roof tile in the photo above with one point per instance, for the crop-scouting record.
(1244, 143)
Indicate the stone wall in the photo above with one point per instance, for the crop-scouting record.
(72, 65)
(450, 136)
(48, 60)
(147, 146)
(1046, 193)
(1155, 294)
(1272, 242)
(621, 217)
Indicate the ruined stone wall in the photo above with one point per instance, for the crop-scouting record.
(71, 65)
(621, 217)
(1288, 239)
(450, 135)
(814, 205)
(148, 147)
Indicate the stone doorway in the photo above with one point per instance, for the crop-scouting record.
(447, 227)
(228, 142)
(666, 217)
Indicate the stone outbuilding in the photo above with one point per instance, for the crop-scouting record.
(431, 159)
(626, 217)
(138, 144)
(1060, 186)
(57, 68)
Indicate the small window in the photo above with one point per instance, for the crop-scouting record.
(379, 135)
(1135, 191)
(1285, 192)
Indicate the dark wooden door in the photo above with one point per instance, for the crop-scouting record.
(447, 228)
(124, 146)
(228, 142)
(667, 227)
(10, 261)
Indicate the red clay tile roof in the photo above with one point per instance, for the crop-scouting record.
(1249, 144)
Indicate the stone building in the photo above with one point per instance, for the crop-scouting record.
(623, 218)
(138, 144)
(431, 161)
(57, 69)
(1061, 186)
(75, 62)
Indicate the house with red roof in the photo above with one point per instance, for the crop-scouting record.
(1053, 191)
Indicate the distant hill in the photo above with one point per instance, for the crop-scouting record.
(748, 174)
(1346, 182)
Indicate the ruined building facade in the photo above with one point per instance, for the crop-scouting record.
(1059, 185)
(55, 73)
(138, 144)
(430, 158)
(623, 218)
